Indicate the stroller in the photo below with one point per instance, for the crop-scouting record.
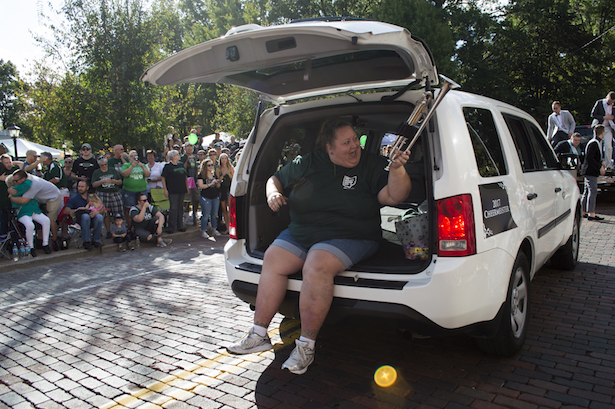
(16, 235)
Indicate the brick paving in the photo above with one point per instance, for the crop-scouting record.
(147, 330)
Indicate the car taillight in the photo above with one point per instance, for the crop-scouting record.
(456, 233)
(232, 215)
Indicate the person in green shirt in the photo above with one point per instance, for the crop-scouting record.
(334, 196)
(29, 212)
(135, 176)
(117, 161)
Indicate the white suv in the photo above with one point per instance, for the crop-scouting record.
(497, 204)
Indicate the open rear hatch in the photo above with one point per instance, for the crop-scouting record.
(302, 59)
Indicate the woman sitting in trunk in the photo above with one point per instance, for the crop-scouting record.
(335, 197)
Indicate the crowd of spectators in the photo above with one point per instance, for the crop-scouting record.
(115, 190)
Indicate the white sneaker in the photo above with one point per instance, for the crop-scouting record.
(299, 360)
(249, 343)
(216, 233)
(161, 243)
(204, 235)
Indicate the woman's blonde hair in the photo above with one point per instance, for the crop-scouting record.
(93, 197)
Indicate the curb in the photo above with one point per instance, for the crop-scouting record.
(73, 253)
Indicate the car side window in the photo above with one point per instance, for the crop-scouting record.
(485, 141)
(545, 156)
(522, 142)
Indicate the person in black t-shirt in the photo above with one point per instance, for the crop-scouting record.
(84, 167)
(175, 185)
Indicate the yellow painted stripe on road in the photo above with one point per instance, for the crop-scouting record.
(287, 332)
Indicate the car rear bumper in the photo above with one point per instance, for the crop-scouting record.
(463, 294)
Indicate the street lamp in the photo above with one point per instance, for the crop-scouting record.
(14, 133)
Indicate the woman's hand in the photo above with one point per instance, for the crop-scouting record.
(400, 159)
(276, 200)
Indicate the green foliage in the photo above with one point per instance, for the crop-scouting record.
(527, 53)
(10, 89)
(236, 109)
(425, 20)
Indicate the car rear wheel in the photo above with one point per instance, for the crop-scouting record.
(567, 257)
(513, 327)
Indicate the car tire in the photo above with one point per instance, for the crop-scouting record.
(516, 313)
(567, 257)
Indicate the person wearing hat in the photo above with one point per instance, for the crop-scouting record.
(119, 232)
(32, 162)
(84, 166)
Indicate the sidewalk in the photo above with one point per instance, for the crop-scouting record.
(73, 253)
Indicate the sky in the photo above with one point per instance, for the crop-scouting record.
(20, 21)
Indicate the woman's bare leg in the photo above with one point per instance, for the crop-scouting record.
(317, 290)
(278, 264)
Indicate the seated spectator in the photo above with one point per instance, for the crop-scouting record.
(119, 232)
(147, 222)
(107, 182)
(45, 193)
(80, 212)
(29, 212)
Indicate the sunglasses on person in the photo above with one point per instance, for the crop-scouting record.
(86, 149)
(210, 164)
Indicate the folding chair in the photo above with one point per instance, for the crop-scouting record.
(161, 202)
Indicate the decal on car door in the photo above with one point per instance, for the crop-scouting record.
(497, 217)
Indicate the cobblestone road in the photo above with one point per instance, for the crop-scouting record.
(147, 329)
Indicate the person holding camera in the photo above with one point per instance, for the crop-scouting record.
(135, 176)
(209, 186)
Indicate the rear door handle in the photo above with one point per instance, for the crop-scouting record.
(532, 196)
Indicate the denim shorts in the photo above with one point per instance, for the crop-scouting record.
(129, 198)
(348, 251)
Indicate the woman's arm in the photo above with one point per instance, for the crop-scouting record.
(146, 171)
(275, 198)
(399, 185)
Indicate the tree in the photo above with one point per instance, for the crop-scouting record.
(10, 88)
(236, 110)
(111, 43)
(425, 20)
